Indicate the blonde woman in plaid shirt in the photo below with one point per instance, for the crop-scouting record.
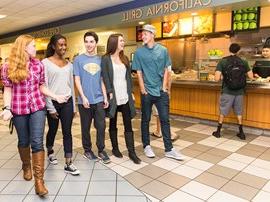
(24, 82)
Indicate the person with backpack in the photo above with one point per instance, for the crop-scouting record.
(234, 71)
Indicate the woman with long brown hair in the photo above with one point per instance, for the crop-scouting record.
(116, 73)
(24, 82)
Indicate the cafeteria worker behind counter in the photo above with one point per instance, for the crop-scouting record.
(262, 67)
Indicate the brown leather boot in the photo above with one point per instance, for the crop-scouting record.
(38, 167)
(26, 162)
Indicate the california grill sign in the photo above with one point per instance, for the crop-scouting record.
(163, 9)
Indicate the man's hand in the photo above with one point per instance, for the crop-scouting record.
(86, 103)
(106, 103)
(144, 92)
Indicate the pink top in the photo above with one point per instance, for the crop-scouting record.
(26, 97)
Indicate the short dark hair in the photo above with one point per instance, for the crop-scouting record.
(90, 33)
(234, 48)
(266, 46)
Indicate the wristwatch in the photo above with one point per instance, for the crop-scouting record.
(6, 107)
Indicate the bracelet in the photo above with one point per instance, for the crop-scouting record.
(6, 108)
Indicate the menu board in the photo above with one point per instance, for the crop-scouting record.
(246, 19)
(196, 25)
(203, 24)
(170, 29)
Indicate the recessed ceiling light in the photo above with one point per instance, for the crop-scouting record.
(141, 23)
(3, 16)
(193, 14)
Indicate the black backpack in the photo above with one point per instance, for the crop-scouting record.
(234, 73)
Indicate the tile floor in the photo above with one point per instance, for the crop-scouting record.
(225, 169)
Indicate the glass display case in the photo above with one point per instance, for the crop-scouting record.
(202, 70)
(207, 68)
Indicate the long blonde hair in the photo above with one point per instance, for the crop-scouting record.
(17, 69)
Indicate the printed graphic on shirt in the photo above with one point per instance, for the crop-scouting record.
(91, 68)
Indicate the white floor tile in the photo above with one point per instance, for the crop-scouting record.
(228, 147)
(187, 171)
(261, 164)
(199, 190)
(181, 196)
(221, 196)
(262, 196)
(232, 164)
(217, 140)
(266, 187)
(260, 143)
(199, 164)
(166, 164)
(208, 143)
(236, 143)
(132, 166)
(260, 172)
(118, 160)
(122, 171)
(241, 158)
(208, 131)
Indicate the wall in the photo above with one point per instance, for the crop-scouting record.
(76, 45)
(5, 50)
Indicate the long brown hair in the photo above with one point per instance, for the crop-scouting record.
(17, 69)
(112, 45)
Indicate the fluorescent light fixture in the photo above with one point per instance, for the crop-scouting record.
(193, 14)
(141, 23)
(3, 16)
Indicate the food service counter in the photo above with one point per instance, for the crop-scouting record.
(200, 99)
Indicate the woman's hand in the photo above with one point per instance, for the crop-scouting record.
(6, 114)
(61, 98)
(54, 115)
(111, 96)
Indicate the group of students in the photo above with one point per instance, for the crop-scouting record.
(34, 90)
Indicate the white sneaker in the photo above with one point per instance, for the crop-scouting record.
(149, 152)
(72, 169)
(52, 159)
(174, 155)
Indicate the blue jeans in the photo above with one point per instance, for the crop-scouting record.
(162, 104)
(30, 129)
(65, 111)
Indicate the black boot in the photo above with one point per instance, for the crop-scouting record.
(115, 149)
(241, 133)
(129, 138)
(217, 132)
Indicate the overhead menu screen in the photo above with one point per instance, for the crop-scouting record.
(246, 19)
